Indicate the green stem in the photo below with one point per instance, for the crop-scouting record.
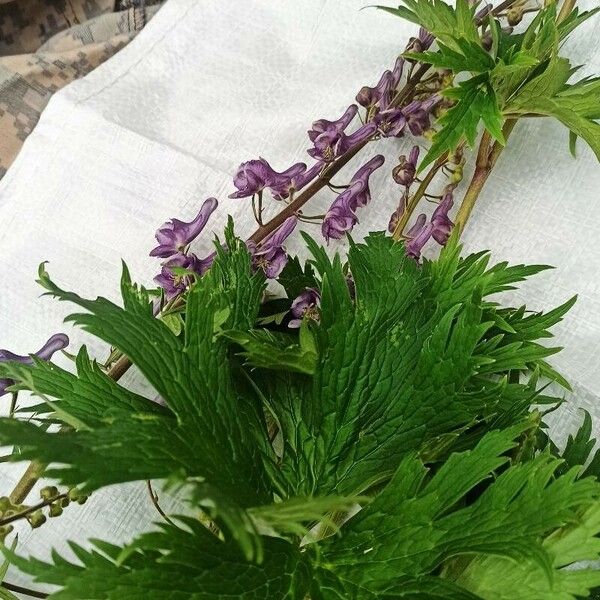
(22, 590)
(486, 159)
(565, 10)
(31, 509)
(33, 472)
(416, 197)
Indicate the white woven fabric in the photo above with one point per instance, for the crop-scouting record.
(208, 84)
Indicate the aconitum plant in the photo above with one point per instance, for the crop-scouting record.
(376, 431)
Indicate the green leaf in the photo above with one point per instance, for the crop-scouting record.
(574, 20)
(172, 563)
(389, 450)
(475, 101)
(271, 350)
(295, 278)
(471, 57)
(448, 24)
(387, 539)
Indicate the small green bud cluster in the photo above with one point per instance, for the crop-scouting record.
(75, 495)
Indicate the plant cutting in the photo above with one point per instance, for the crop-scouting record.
(376, 430)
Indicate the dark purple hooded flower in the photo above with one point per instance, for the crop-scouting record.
(419, 235)
(323, 126)
(330, 141)
(340, 217)
(418, 115)
(382, 94)
(396, 215)
(175, 235)
(271, 256)
(57, 342)
(347, 142)
(404, 173)
(442, 225)
(362, 196)
(305, 306)
(372, 96)
(391, 122)
(397, 71)
(282, 191)
(173, 281)
(255, 175)
(420, 43)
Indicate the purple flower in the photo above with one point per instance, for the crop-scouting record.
(404, 173)
(54, 344)
(340, 217)
(361, 196)
(397, 71)
(173, 281)
(419, 44)
(347, 142)
(305, 306)
(323, 126)
(418, 115)
(271, 256)
(381, 95)
(391, 122)
(371, 96)
(255, 175)
(419, 235)
(330, 141)
(442, 225)
(175, 235)
(280, 192)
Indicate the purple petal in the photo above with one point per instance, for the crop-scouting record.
(348, 142)
(57, 342)
(414, 246)
(418, 225)
(175, 235)
(282, 233)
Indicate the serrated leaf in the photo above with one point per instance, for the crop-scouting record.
(448, 24)
(476, 101)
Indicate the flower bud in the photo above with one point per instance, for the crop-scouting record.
(55, 510)
(404, 172)
(48, 492)
(457, 175)
(75, 495)
(36, 519)
(4, 531)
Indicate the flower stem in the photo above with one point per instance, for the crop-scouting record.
(154, 500)
(416, 197)
(31, 509)
(565, 10)
(33, 472)
(22, 590)
(487, 156)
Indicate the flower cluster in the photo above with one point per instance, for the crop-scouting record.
(174, 238)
